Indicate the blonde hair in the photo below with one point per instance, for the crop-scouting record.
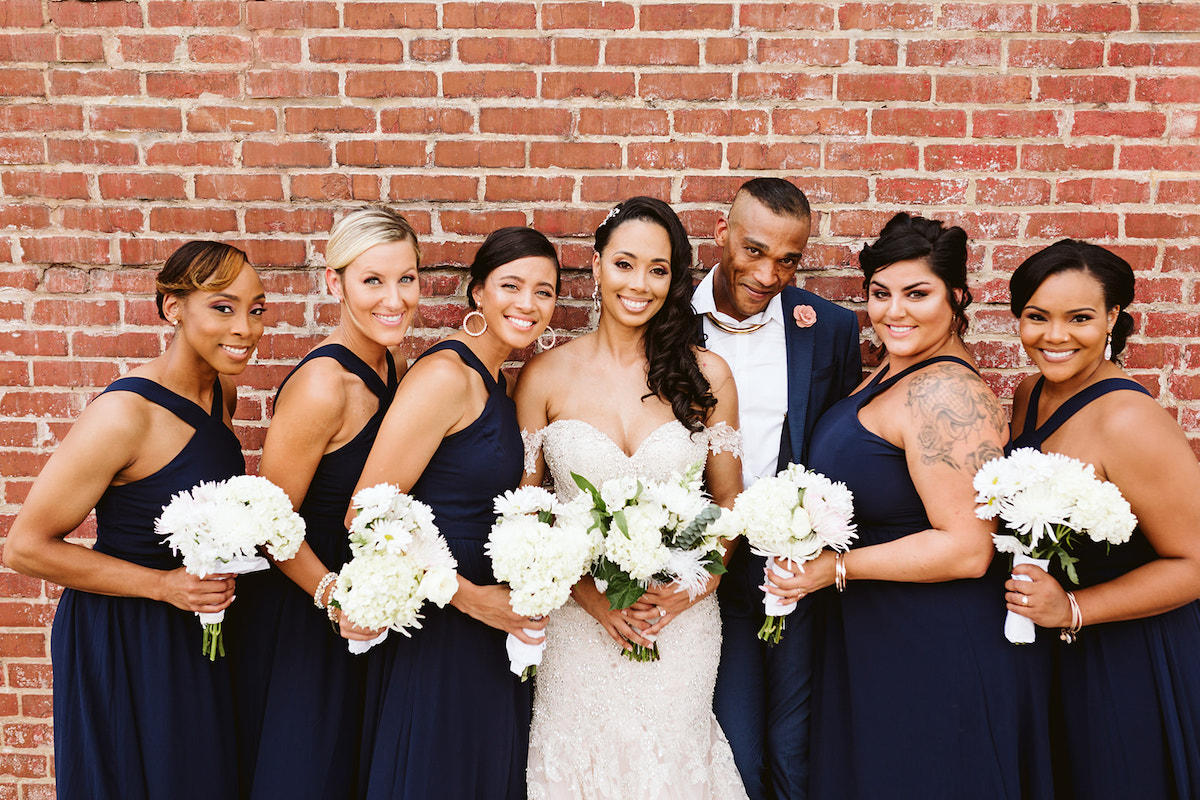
(362, 229)
(198, 266)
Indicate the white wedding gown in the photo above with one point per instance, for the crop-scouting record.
(605, 727)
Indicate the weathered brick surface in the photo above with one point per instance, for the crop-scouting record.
(127, 128)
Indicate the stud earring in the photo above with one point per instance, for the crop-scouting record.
(467, 328)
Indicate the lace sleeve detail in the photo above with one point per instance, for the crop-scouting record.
(723, 438)
(533, 446)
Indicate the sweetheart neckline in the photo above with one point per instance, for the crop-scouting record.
(611, 441)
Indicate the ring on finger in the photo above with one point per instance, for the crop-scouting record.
(1024, 599)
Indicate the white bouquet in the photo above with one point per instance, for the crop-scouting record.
(399, 561)
(792, 516)
(656, 533)
(1043, 499)
(540, 548)
(217, 527)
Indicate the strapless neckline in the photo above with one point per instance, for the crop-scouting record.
(566, 421)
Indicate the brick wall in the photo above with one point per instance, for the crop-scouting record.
(128, 127)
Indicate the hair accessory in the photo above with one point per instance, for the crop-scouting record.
(839, 571)
(615, 210)
(467, 328)
(319, 595)
(1070, 634)
(541, 340)
(596, 297)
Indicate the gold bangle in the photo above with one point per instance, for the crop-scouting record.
(1070, 634)
(839, 571)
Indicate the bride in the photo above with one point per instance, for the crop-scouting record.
(635, 397)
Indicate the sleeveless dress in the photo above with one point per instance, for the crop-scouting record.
(605, 727)
(139, 712)
(917, 694)
(445, 718)
(1128, 693)
(299, 691)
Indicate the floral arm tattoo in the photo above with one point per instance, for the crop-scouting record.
(958, 418)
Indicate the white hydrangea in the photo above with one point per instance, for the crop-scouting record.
(641, 553)
(525, 500)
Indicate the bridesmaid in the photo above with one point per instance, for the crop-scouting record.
(1130, 686)
(138, 710)
(299, 691)
(918, 694)
(445, 716)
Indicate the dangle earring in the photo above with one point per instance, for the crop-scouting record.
(467, 328)
(1108, 346)
(541, 340)
(596, 298)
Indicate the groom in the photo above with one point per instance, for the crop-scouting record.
(793, 355)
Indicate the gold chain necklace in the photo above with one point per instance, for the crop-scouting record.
(725, 326)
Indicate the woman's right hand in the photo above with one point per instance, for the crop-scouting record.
(206, 595)
(619, 625)
(354, 633)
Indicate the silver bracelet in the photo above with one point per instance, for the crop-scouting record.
(319, 594)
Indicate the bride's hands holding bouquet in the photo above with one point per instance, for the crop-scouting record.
(624, 627)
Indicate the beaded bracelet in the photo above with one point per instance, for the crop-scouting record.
(1069, 635)
(839, 571)
(319, 594)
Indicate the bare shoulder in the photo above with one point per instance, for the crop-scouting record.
(715, 368)
(318, 387)
(1117, 414)
(957, 419)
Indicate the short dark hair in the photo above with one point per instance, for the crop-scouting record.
(198, 266)
(1112, 272)
(506, 245)
(944, 249)
(778, 195)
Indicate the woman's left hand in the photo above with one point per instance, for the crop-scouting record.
(1041, 598)
(817, 574)
(661, 604)
(490, 605)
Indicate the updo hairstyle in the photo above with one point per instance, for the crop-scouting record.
(364, 228)
(199, 266)
(506, 245)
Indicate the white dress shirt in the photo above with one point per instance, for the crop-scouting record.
(759, 363)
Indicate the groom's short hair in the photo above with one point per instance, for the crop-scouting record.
(778, 195)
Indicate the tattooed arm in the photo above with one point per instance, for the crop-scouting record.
(949, 423)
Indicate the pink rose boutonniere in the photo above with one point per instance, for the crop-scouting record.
(806, 316)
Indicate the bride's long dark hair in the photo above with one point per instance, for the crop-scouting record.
(672, 370)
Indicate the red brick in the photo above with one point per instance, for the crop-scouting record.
(786, 16)
(782, 86)
(843, 189)
(614, 188)
(906, 191)
(1178, 192)
(293, 15)
(385, 153)
(194, 13)
(356, 49)
(274, 220)
(504, 50)
(33, 343)
(158, 48)
(575, 155)
(429, 119)
(277, 49)
(892, 16)
(468, 223)
(136, 118)
(1168, 17)
(177, 219)
(40, 117)
(918, 122)
(145, 186)
(36, 705)
(986, 17)
(576, 52)
(685, 52)
(1102, 191)
(828, 121)
(826, 52)
(726, 51)
(286, 154)
(219, 49)
(1169, 158)
(292, 83)
(479, 154)
(23, 765)
(872, 156)
(623, 122)
(140, 251)
(1058, 157)
(1087, 89)
(20, 150)
(1089, 17)
(560, 85)
(337, 119)
(984, 89)
(1076, 224)
(884, 88)
(953, 53)
(877, 52)
(1012, 191)
(80, 48)
(389, 84)
(603, 16)
(106, 219)
(64, 280)
(21, 14)
(720, 122)
(489, 84)
(75, 313)
(435, 188)
(510, 188)
(749, 156)
(489, 15)
(192, 84)
(1055, 54)
(389, 16)
(526, 121)
(92, 151)
(73, 372)
(1162, 226)
(215, 119)
(273, 252)
(430, 49)
(687, 16)
(191, 154)
(27, 47)
(335, 186)
(23, 278)
(972, 157)
(1174, 89)
(239, 187)
(98, 15)
(1130, 124)
(58, 185)
(22, 83)
(1157, 54)
(1006, 124)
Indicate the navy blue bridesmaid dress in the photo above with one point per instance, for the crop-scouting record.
(299, 691)
(917, 694)
(1127, 694)
(139, 712)
(445, 717)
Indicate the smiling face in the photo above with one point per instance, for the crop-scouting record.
(379, 292)
(221, 327)
(634, 272)
(909, 307)
(517, 300)
(1065, 326)
(760, 253)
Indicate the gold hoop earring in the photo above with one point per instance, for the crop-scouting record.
(467, 328)
(541, 340)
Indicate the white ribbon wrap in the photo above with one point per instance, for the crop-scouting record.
(1018, 629)
(521, 655)
(236, 566)
(773, 603)
(359, 646)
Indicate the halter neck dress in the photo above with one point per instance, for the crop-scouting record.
(1127, 694)
(139, 712)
